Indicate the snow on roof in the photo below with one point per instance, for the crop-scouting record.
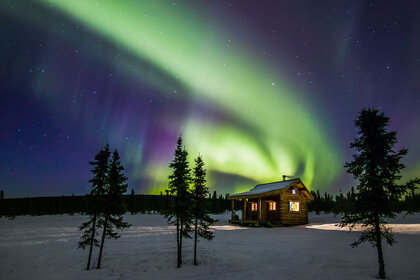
(263, 188)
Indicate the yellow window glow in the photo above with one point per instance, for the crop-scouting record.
(253, 206)
(294, 206)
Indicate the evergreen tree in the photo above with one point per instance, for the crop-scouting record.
(99, 186)
(377, 167)
(202, 219)
(1, 194)
(411, 185)
(214, 202)
(132, 203)
(179, 212)
(411, 203)
(71, 207)
(114, 207)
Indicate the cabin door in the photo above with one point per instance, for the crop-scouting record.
(264, 210)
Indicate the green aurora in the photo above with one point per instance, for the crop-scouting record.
(281, 133)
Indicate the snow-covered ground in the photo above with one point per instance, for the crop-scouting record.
(45, 248)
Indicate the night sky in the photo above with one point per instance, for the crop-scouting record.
(258, 88)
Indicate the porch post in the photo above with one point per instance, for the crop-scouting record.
(259, 208)
(244, 211)
(233, 208)
(278, 207)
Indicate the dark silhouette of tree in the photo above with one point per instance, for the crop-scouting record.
(214, 204)
(99, 186)
(1, 194)
(202, 219)
(114, 207)
(132, 203)
(377, 167)
(179, 212)
(412, 201)
(155, 203)
(411, 185)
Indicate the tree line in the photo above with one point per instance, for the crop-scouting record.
(346, 203)
(157, 204)
(134, 204)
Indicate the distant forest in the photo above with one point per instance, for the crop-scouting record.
(134, 203)
(142, 203)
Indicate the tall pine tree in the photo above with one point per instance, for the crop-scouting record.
(202, 219)
(179, 212)
(114, 207)
(377, 168)
(99, 186)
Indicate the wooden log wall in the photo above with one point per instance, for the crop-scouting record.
(293, 217)
(251, 215)
(274, 216)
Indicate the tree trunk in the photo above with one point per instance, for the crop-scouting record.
(195, 242)
(102, 242)
(177, 243)
(379, 247)
(180, 244)
(91, 241)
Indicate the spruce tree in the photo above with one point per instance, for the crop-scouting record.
(377, 168)
(132, 203)
(411, 185)
(99, 185)
(202, 219)
(113, 207)
(179, 212)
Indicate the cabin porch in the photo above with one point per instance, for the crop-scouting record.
(257, 211)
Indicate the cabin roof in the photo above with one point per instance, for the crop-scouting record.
(269, 187)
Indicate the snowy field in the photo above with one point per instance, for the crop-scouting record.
(45, 248)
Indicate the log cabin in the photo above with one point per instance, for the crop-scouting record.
(273, 204)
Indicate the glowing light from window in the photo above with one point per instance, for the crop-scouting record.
(254, 206)
(294, 206)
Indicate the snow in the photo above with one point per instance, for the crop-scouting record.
(45, 247)
(402, 224)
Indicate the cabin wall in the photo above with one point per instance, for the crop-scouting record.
(282, 214)
(264, 210)
(291, 217)
(270, 215)
(250, 215)
(274, 216)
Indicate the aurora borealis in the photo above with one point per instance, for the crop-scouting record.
(258, 88)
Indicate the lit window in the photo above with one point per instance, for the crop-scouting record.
(294, 206)
(271, 205)
(254, 206)
(293, 191)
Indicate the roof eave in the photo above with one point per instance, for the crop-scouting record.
(239, 196)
